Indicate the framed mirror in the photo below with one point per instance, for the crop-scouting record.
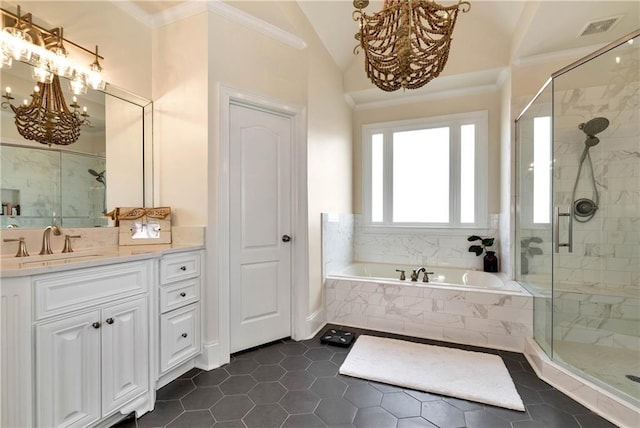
(75, 185)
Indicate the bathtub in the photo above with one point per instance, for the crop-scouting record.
(447, 277)
(456, 305)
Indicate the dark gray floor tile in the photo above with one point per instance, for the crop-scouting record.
(335, 411)
(191, 373)
(592, 420)
(484, 419)
(560, 401)
(265, 416)
(338, 358)
(201, 398)
(417, 422)
(232, 407)
(268, 373)
(374, 417)
(267, 393)
(237, 384)
(230, 424)
(297, 380)
(530, 380)
(552, 417)
(363, 395)
(323, 368)
(303, 401)
(401, 405)
(423, 396)
(326, 387)
(304, 421)
(319, 354)
(443, 414)
(463, 405)
(294, 348)
(508, 414)
(193, 419)
(211, 378)
(269, 356)
(175, 390)
(383, 387)
(128, 422)
(164, 413)
(297, 362)
(244, 366)
(529, 395)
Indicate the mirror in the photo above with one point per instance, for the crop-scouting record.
(74, 185)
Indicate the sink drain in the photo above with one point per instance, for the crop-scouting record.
(633, 378)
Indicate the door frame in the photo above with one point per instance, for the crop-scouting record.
(299, 217)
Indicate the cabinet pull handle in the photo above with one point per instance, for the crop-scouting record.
(184, 334)
(183, 268)
(95, 325)
(183, 294)
(109, 320)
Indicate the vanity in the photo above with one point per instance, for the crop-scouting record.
(89, 336)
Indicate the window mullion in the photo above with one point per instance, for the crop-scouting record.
(454, 171)
(388, 177)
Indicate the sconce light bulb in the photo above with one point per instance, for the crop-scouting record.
(8, 90)
(617, 60)
(75, 99)
(84, 109)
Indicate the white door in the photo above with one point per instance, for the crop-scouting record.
(68, 371)
(125, 350)
(260, 226)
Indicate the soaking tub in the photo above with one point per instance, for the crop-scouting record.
(452, 277)
(456, 305)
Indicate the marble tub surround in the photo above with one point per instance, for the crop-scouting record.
(489, 318)
(337, 241)
(90, 238)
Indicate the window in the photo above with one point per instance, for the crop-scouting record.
(426, 173)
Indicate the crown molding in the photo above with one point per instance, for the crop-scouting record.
(134, 11)
(250, 21)
(568, 54)
(178, 13)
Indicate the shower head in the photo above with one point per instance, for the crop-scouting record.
(594, 126)
(98, 175)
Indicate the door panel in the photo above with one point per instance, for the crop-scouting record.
(125, 337)
(68, 371)
(260, 206)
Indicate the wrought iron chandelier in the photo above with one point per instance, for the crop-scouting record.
(47, 119)
(407, 43)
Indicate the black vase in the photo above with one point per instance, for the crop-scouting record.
(490, 262)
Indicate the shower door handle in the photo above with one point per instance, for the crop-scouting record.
(556, 230)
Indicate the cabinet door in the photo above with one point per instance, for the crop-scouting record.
(125, 353)
(68, 371)
(180, 336)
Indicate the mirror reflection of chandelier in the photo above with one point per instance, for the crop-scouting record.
(47, 119)
(407, 43)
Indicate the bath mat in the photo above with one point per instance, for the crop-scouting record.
(473, 376)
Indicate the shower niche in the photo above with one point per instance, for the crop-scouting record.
(578, 216)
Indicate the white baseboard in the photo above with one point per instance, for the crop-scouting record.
(583, 391)
(209, 358)
(315, 322)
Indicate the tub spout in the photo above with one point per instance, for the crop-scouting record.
(416, 273)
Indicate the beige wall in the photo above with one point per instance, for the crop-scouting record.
(489, 101)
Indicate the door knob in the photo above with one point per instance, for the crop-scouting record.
(286, 238)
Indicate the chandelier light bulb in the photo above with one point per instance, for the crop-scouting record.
(77, 85)
(42, 74)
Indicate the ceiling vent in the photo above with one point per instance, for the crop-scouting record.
(599, 26)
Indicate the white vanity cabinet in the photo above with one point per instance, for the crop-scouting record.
(179, 304)
(82, 338)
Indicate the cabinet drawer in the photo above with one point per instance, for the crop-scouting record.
(176, 267)
(181, 293)
(58, 293)
(179, 336)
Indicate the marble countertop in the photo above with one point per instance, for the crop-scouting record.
(87, 257)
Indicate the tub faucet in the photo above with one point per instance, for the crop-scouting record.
(425, 278)
(416, 273)
(402, 277)
(46, 238)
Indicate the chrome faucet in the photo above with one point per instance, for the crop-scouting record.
(416, 273)
(46, 238)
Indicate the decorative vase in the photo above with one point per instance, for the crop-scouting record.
(490, 262)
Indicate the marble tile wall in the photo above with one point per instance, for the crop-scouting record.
(426, 247)
(481, 318)
(337, 242)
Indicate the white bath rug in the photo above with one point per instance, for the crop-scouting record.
(473, 376)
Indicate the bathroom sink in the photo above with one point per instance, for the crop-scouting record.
(48, 260)
(59, 260)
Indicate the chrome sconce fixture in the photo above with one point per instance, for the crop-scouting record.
(407, 43)
(47, 119)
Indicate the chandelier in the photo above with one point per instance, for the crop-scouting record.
(407, 43)
(47, 119)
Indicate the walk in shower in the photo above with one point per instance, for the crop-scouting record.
(578, 216)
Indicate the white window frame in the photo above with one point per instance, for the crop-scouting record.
(478, 118)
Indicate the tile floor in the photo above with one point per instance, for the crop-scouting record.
(296, 384)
